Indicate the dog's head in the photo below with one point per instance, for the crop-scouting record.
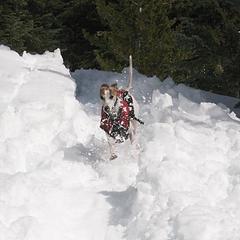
(108, 95)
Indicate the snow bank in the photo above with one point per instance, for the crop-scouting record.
(39, 113)
(39, 118)
(187, 179)
(188, 172)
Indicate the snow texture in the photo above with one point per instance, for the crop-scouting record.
(179, 181)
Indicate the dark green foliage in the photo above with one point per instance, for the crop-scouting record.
(207, 34)
(29, 25)
(77, 17)
(46, 30)
(14, 24)
(196, 42)
(140, 28)
(40, 25)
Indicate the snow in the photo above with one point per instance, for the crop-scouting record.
(180, 181)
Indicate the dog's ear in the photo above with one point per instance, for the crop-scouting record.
(114, 85)
(103, 88)
(104, 85)
(113, 90)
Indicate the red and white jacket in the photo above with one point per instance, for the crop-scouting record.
(122, 119)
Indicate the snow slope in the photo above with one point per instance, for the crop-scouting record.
(180, 182)
(42, 195)
(189, 169)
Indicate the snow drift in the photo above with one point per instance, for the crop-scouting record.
(39, 118)
(188, 169)
(181, 181)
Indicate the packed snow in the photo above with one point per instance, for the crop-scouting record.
(179, 181)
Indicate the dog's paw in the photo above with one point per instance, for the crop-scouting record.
(113, 156)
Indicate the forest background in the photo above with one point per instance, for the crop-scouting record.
(195, 42)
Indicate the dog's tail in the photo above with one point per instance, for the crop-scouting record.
(130, 79)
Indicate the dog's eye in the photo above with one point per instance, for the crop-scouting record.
(102, 97)
(111, 97)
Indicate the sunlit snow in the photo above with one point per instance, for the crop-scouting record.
(179, 181)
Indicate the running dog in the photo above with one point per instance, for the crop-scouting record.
(119, 114)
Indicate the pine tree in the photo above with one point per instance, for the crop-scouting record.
(208, 40)
(139, 28)
(45, 34)
(231, 53)
(29, 25)
(79, 16)
(15, 24)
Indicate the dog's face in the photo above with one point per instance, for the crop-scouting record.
(108, 95)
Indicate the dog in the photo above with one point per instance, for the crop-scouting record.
(119, 114)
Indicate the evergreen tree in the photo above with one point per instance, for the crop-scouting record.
(45, 34)
(231, 53)
(139, 28)
(30, 25)
(15, 24)
(208, 40)
(79, 16)
(40, 25)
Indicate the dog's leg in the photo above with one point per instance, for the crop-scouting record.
(132, 132)
(111, 144)
(135, 147)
